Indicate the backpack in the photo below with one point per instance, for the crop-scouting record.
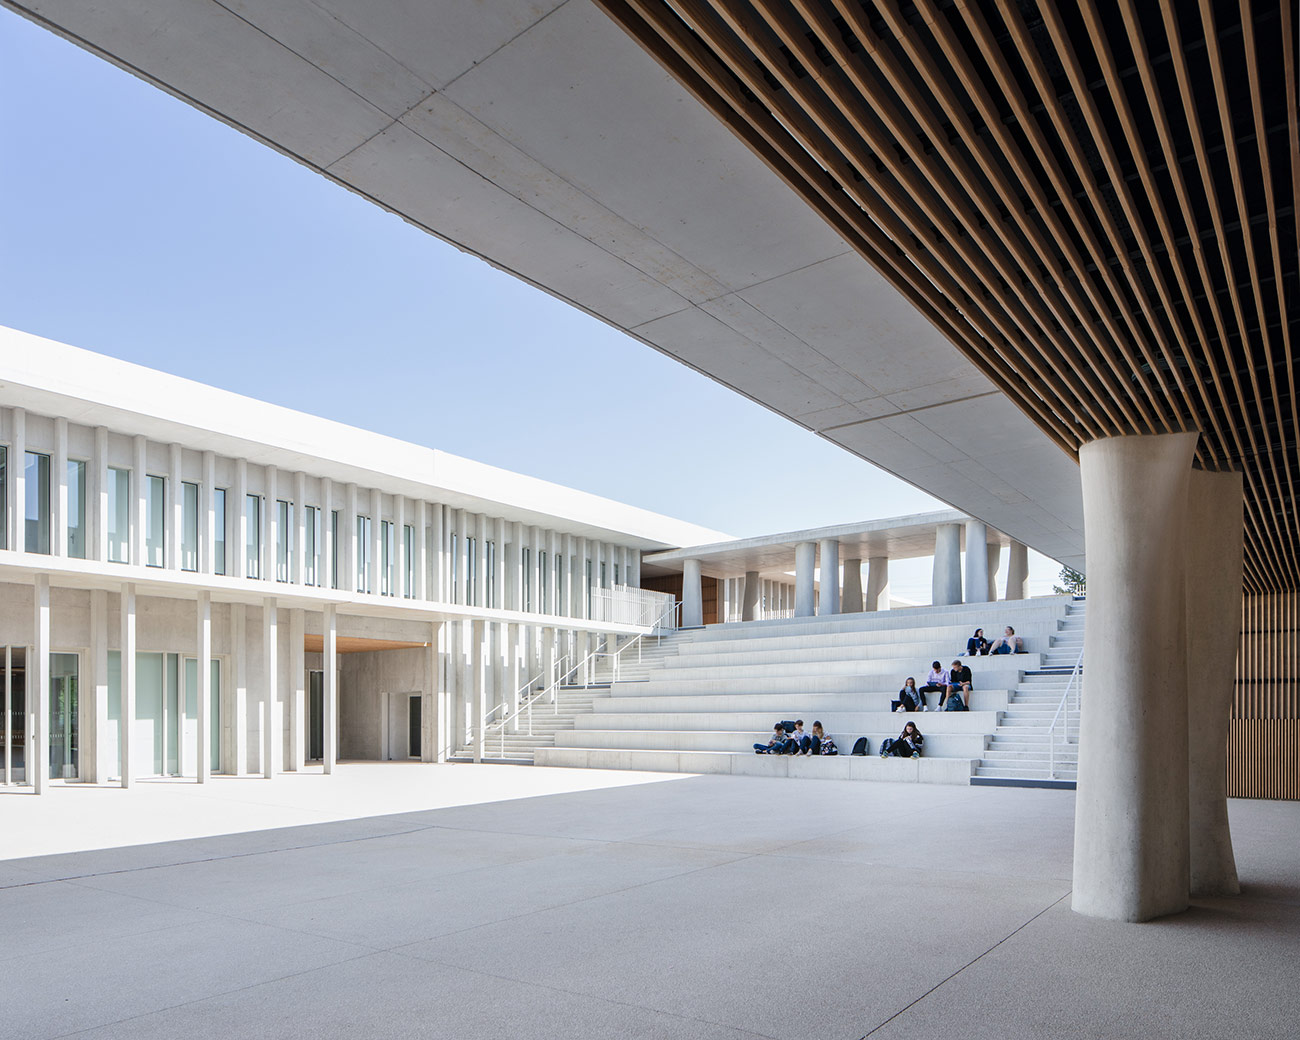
(828, 747)
(859, 746)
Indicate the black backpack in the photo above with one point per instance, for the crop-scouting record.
(860, 746)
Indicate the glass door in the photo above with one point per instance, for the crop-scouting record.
(414, 720)
(65, 750)
(190, 722)
(13, 660)
(315, 716)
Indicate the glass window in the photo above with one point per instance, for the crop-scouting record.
(471, 570)
(616, 581)
(189, 526)
(455, 570)
(311, 539)
(363, 554)
(219, 522)
(253, 536)
(36, 512)
(527, 558)
(119, 515)
(154, 527)
(334, 546)
(408, 544)
(4, 497)
(544, 580)
(283, 540)
(490, 562)
(587, 611)
(385, 558)
(76, 509)
(603, 582)
(559, 583)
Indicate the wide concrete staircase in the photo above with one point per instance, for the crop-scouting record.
(700, 699)
(1018, 750)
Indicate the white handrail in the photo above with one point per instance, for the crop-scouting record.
(1065, 727)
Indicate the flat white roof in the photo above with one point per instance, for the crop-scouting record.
(51, 378)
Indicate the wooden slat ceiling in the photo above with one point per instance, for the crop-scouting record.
(1094, 200)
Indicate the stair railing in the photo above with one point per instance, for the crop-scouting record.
(657, 629)
(1063, 714)
(525, 708)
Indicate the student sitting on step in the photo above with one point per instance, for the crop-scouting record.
(821, 743)
(935, 682)
(802, 741)
(960, 684)
(977, 644)
(909, 697)
(908, 744)
(775, 746)
(1010, 643)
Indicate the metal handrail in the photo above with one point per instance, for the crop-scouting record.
(561, 673)
(1065, 727)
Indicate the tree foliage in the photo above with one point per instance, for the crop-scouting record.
(1072, 583)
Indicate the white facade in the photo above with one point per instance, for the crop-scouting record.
(350, 594)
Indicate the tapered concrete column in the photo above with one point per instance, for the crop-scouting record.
(829, 601)
(203, 673)
(749, 602)
(946, 580)
(995, 559)
(296, 694)
(239, 663)
(877, 583)
(1018, 571)
(977, 562)
(1131, 812)
(38, 688)
(1214, 572)
(126, 718)
(805, 563)
(478, 684)
(851, 594)
(330, 665)
(692, 595)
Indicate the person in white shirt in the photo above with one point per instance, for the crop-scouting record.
(936, 681)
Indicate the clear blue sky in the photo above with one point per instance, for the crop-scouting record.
(136, 226)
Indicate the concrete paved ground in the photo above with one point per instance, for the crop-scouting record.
(701, 907)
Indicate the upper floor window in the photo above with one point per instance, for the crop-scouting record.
(36, 512)
(408, 558)
(544, 581)
(4, 497)
(189, 526)
(283, 540)
(310, 544)
(455, 569)
(76, 509)
(471, 571)
(363, 554)
(252, 536)
(119, 515)
(155, 536)
(219, 525)
(386, 558)
(526, 558)
(490, 563)
(335, 528)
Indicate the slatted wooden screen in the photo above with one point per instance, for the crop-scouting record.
(1264, 734)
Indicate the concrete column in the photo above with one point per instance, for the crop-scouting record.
(59, 489)
(203, 672)
(296, 695)
(399, 561)
(349, 536)
(634, 567)
(851, 594)
(480, 569)
(749, 604)
(38, 686)
(96, 741)
(17, 481)
(829, 600)
(462, 592)
(208, 514)
(438, 570)
(239, 655)
(977, 562)
(271, 525)
(272, 739)
(421, 565)
(1131, 816)
(139, 499)
(330, 664)
(175, 522)
(376, 541)
(431, 748)
(298, 572)
(805, 563)
(499, 572)
(478, 684)
(566, 605)
(946, 581)
(995, 559)
(1214, 573)
(237, 560)
(1018, 571)
(126, 721)
(100, 522)
(692, 595)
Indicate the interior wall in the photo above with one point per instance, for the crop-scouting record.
(1264, 732)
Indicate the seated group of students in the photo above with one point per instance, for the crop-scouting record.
(954, 685)
(789, 738)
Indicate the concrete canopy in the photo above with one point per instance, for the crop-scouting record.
(543, 139)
